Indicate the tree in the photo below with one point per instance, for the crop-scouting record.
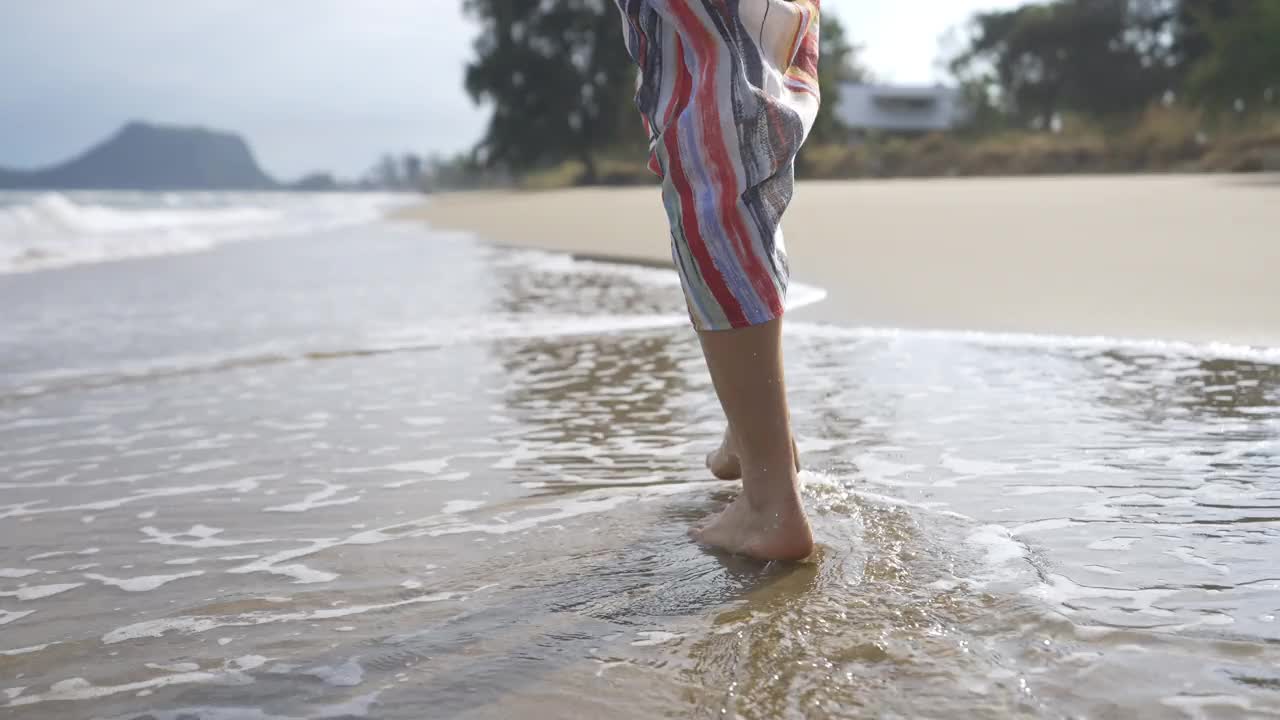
(838, 64)
(386, 174)
(1240, 59)
(1105, 58)
(1190, 42)
(412, 172)
(557, 75)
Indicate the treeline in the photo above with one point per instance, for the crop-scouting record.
(1110, 60)
(1051, 86)
(1099, 86)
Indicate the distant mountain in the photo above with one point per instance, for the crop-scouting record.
(141, 156)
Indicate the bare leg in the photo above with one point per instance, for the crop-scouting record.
(767, 520)
(724, 463)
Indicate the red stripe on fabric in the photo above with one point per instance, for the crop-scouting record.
(689, 220)
(681, 88)
(720, 166)
(806, 56)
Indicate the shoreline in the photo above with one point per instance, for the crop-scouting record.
(1170, 257)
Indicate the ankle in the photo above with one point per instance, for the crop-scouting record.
(775, 468)
(774, 498)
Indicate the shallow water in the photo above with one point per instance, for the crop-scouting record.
(386, 473)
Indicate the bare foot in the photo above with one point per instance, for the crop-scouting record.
(778, 532)
(723, 462)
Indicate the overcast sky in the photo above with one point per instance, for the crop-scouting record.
(312, 84)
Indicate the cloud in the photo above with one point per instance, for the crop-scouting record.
(314, 83)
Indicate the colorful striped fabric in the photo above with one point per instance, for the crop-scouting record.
(729, 91)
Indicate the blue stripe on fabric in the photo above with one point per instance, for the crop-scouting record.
(688, 269)
(690, 136)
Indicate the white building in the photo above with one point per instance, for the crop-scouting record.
(900, 108)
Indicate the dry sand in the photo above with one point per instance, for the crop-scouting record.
(1173, 257)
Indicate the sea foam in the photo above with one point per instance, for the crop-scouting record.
(44, 231)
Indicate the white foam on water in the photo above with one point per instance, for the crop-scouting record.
(303, 574)
(27, 650)
(318, 499)
(997, 544)
(18, 572)
(458, 507)
(205, 466)
(520, 326)
(39, 592)
(233, 672)
(174, 667)
(819, 478)
(1168, 348)
(1187, 555)
(426, 467)
(358, 707)
(1066, 595)
(587, 503)
(883, 471)
(39, 232)
(1044, 525)
(300, 573)
(8, 616)
(1022, 490)
(239, 486)
(545, 261)
(201, 537)
(145, 583)
(62, 553)
(654, 638)
(976, 468)
(194, 625)
(1115, 543)
(348, 674)
(1207, 706)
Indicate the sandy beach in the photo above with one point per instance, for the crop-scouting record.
(1168, 257)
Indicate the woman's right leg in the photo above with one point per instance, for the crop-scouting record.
(767, 520)
(727, 121)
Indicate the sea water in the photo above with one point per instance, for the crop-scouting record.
(270, 456)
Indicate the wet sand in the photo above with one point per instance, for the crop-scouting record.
(1173, 257)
